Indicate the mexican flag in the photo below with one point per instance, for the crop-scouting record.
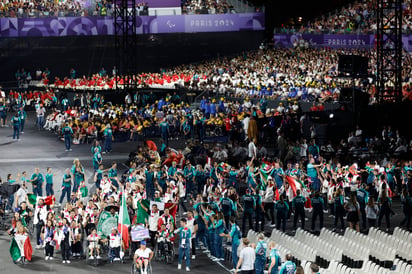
(142, 214)
(20, 246)
(48, 200)
(124, 222)
(265, 170)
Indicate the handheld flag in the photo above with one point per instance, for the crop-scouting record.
(124, 222)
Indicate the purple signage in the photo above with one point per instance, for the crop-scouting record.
(93, 26)
(326, 40)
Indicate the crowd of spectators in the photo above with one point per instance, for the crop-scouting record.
(359, 16)
(207, 7)
(301, 73)
(74, 8)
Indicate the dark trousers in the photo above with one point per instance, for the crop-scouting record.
(16, 132)
(339, 213)
(371, 223)
(407, 218)
(269, 207)
(49, 250)
(384, 213)
(38, 233)
(152, 238)
(299, 212)
(246, 216)
(193, 240)
(49, 189)
(77, 247)
(281, 221)
(316, 213)
(65, 248)
(363, 217)
(66, 191)
(67, 142)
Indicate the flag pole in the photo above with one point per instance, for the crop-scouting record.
(121, 225)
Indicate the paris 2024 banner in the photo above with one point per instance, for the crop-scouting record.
(334, 40)
(94, 26)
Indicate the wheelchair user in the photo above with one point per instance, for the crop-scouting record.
(94, 246)
(115, 242)
(142, 257)
(163, 239)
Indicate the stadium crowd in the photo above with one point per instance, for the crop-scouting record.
(359, 16)
(301, 73)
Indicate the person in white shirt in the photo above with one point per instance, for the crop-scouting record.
(143, 256)
(94, 246)
(252, 149)
(115, 242)
(153, 221)
(247, 258)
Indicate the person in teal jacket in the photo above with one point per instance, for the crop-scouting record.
(282, 209)
(260, 251)
(274, 259)
(23, 116)
(288, 267)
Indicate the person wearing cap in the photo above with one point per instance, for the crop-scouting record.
(185, 236)
(108, 139)
(142, 257)
(67, 133)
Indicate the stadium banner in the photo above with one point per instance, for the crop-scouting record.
(96, 26)
(326, 40)
(334, 40)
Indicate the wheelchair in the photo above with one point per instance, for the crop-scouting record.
(103, 251)
(167, 253)
(136, 270)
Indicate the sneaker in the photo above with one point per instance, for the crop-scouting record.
(187, 269)
(193, 257)
(272, 225)
(98, 257)
(51, 258)
(70, 149)
(67, 262)
(67, 150)
(91, 257)
(47, 258)
(221, 259)
(104, 152)
(22, 132)
(64, 262)
(179, 266)
(38, 246)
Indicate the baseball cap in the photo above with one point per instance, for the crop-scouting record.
(143, 242)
